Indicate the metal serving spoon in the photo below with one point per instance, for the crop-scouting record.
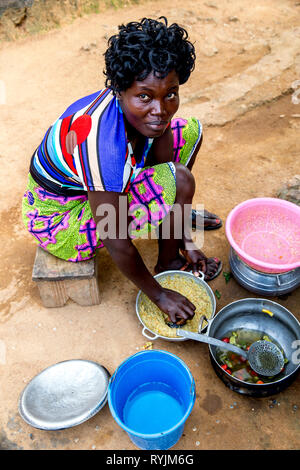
(264, 357)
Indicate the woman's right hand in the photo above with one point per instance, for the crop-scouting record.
(177, 307)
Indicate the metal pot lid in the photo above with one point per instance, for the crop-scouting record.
(64, 395)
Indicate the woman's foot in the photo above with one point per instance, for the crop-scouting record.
(205, 220)
(213, 268)
(178, 264)
(182, 263)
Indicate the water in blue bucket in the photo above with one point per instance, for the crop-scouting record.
(153, 408)
(150, 396)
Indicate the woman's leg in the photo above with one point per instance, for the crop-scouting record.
(194, 156)
(63, 226)
(152, 195)
(169, 247)
(188, 139)
(169, 256)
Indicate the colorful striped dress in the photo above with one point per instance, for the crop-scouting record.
(55, 208)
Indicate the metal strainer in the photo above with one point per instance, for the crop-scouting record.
(264, 357)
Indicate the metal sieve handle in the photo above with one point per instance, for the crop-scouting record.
(210, 340)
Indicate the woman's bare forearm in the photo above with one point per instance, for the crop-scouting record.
(130, 263)
(122, 250)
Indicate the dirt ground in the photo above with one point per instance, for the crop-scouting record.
(243, 89)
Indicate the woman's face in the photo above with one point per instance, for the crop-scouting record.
(150, 104)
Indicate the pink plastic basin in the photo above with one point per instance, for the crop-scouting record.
(265, 233)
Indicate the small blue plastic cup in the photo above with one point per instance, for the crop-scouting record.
(150, 396)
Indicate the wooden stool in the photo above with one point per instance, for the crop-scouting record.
(60, 280)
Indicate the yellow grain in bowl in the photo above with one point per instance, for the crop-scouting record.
(155, 320)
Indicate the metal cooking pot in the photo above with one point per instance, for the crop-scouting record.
(260, 282)
(184, 274)
(248, 314)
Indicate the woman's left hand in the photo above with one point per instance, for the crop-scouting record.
(199, 262)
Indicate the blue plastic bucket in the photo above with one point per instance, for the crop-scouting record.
(151, 395)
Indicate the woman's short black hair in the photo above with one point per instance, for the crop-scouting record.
(142, 47)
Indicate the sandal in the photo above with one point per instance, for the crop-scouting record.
(205, 215)
(188, 267)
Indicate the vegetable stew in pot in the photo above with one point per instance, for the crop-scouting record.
(238, 366)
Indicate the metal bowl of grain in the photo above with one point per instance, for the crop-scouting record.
(192, 287)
